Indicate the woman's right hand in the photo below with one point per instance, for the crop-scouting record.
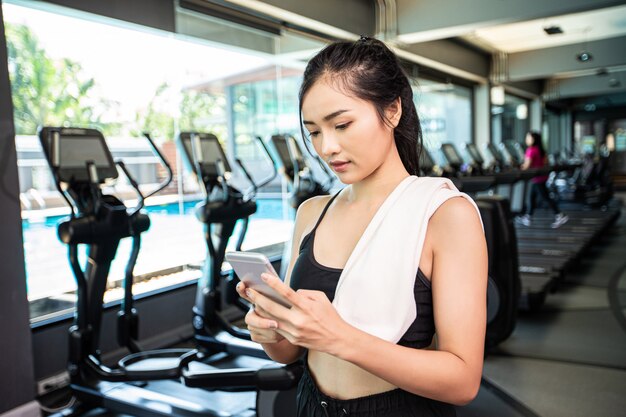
(262, 329)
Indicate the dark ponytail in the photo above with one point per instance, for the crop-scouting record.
(368, 69)
(537, 142)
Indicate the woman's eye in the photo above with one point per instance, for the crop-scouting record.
(343, 126)
(314, 134)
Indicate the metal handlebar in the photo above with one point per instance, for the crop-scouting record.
(166, 165)
(264, 182)
(133, 183)
(274, 171)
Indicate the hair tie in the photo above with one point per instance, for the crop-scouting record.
(364, 39)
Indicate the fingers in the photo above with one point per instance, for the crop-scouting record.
(253, 319)
(265, 336)
(241, 290)
(313, 295)
(262, 330)
(283, 289)
(268, 307)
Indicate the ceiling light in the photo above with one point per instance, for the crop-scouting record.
(584, 56)
(497, 95)
(553, 30)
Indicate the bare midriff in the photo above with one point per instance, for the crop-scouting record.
(343, 380)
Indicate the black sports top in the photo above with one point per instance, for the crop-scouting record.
(309, 274)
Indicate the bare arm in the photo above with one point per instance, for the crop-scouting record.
(459, 283)
(262, 329)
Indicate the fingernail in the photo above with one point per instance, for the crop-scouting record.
(249, 293)
(264, 277)
(273, 325)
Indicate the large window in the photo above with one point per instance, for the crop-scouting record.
(125, 80)
(445, 111)
(509, 120)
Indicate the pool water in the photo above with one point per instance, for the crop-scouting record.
(266, 209)
(175, 238)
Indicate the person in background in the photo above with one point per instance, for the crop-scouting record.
(535, 157)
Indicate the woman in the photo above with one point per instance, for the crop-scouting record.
(535, 157)
(357, 105)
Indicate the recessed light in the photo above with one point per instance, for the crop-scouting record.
(584, 56)
(553, 30)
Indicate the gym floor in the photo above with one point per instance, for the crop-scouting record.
(569, 358)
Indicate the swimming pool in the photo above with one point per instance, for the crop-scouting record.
(267, 208)
(175, 238)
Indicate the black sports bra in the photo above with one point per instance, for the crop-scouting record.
(309, 274)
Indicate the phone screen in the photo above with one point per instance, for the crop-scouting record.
(249, 266)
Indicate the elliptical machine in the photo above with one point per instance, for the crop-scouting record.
(298, 173)
(81, 162)
(218, 305)
(299, 176)
(224, 205)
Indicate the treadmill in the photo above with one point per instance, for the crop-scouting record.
(539, 267)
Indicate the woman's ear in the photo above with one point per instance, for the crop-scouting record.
(394, 112)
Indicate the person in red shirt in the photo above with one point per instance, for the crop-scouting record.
(535, 157)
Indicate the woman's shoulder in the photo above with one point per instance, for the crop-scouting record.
(532, 150)
(309, 211)
(314, 205)
(455, 216)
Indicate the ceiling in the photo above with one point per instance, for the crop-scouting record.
(578, 28)
(531, 54)
(484, 41)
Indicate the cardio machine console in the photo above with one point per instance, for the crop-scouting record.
(453, 157)
(288, 151)
(472, 150)
(204, 151)
(69, 150)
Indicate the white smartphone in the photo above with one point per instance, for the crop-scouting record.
(249, 266)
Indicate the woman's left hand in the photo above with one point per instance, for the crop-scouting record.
(312, 322)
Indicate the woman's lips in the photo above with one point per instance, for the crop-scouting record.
(339, 166)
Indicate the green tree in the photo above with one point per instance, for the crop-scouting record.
(156, 119)
(195, 111)
(47, 91)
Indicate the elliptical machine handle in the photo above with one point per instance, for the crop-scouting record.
(255, 186)
(274, 170)
(248, 176)
(133, 183)
(165, 164)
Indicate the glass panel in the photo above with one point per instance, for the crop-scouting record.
(510, 121)
(445, 111)
(69, 71)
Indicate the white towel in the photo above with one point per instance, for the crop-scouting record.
(375, 290)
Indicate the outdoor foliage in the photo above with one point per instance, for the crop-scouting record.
(58, 93)
(50, 92)
(195, 111)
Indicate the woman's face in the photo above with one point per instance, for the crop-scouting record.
(529, 139)
(345, 131)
